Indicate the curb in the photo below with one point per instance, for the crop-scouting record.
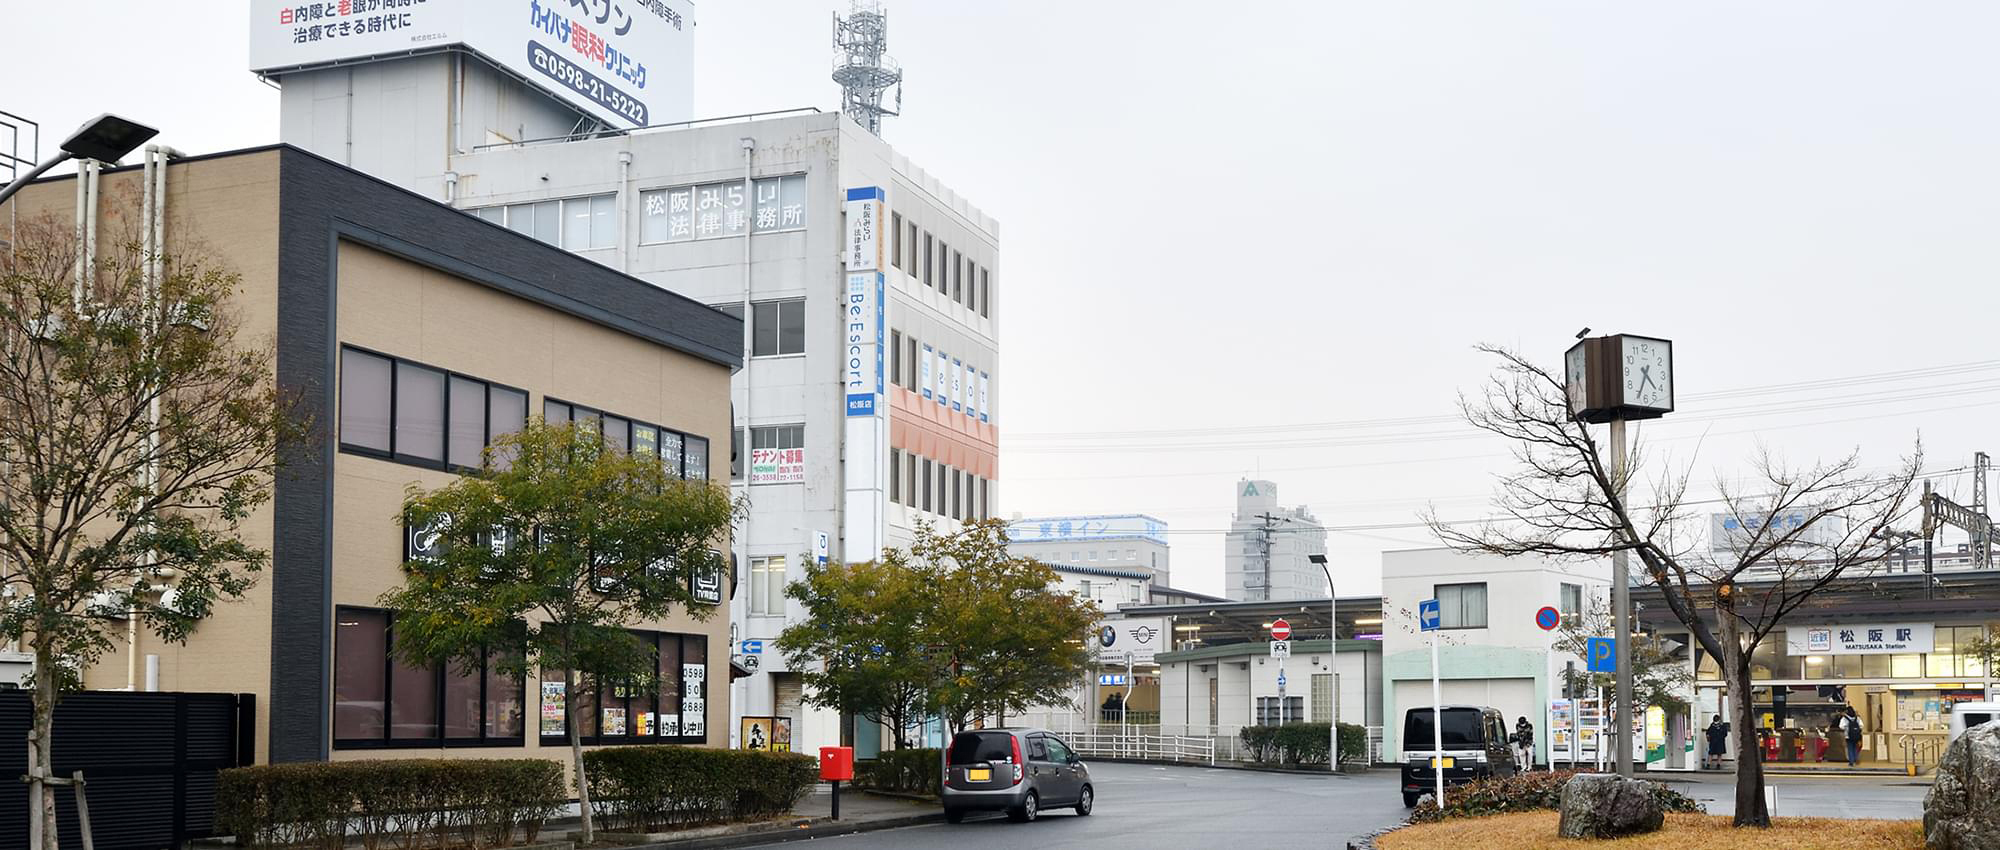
(819, 828)
(1349, 773)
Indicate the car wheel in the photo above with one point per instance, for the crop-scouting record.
(1083, 802)
(1409, 799)
(1029, 808)
(954, 816)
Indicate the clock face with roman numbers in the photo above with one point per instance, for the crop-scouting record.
(1647, 377)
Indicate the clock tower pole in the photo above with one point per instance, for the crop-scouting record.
(1621, 619)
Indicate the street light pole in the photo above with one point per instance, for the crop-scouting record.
(1332, 668)
(105, 138)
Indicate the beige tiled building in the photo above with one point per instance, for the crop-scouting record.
(415, 334)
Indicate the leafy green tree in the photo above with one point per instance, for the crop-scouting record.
(548, 555)
(1986, 650)
(1008, 637)
(139, 429)
(866, 624)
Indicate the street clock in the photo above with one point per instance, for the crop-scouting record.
(1619, 377)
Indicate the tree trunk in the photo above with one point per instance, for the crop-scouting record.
(41, 741)
(576, 758)
(1750, 810)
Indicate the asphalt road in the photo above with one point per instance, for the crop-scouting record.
(1146, 807)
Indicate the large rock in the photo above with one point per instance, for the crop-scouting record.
(1962, 810)
(1606, 805)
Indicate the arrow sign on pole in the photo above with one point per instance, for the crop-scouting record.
(1427, 615)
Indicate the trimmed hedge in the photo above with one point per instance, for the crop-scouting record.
(1301, 743)
(650, 787)
(1526, 792)
(399, 803)
(915, 771)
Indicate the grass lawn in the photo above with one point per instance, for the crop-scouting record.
(1529, 830)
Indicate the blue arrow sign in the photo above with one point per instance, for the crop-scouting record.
(1427, 615)
(1281, 678)
(753, 647)
(1601, 653)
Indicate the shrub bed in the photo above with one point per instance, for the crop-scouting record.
(917, 771)
(399, 803)
(1301, 743)
(1527, 792)
(640, 789)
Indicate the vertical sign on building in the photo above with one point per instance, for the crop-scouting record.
(864, 318)
(957, 385)
(971, 384)
(924, 380)
(985, 404)
(943, 378)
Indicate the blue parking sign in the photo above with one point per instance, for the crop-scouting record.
(1427, 615)
(1601, 654)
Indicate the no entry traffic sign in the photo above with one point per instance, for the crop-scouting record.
(1281, 630)
(1548, 618)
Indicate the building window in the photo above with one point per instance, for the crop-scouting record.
(1572, 602)
(767, 586)
(911, 379)
(1268, 710)
(896, 358)
(1083, 588)
(777, 454)
(985, 503)
(955, 478)
(896, 239)
(927, 485)
(895, 476)
(718, 210)
(573, 224)
(958, 277)
(910, 481)
(681, 455)
(944, 488)
(1462, 606)
(985, 291)
(943, 270)
(421, 415)
(1322, 692)
(620, 713)
(927, 259)
(778, 327)
(379, 701)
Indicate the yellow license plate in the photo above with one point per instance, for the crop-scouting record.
(1446, 762)
(978, 775)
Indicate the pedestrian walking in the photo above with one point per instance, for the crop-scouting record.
(1850, 724)
(1718, 743)
(1524, 745)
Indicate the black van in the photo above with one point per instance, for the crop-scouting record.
(1475, 747)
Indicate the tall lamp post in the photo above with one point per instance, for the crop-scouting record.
(105, 138)
(1332, 669)
(1610, 380)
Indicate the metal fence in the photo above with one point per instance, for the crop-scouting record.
(1193, 749)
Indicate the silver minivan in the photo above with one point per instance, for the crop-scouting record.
(1020, 771)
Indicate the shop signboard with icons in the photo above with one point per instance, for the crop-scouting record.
(1142, 637)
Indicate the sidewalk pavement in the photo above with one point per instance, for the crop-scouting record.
(811, 818)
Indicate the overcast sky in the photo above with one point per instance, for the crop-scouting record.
(1276, 224)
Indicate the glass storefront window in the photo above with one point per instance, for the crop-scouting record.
(1875, 666)
(1706, 667)
(1770, 661)
(1819, 666)
(1906, 666)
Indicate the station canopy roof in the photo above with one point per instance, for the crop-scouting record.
(1219, 623)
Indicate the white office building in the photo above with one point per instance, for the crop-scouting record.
(1267, 553)
(1124, 542)
(869, 399)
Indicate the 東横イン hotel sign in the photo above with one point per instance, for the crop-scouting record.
(1858, 639)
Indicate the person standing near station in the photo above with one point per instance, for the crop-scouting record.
(1850, 723)
(1718, 743)
(1524, 745)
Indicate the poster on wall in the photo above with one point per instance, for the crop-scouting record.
(777, 466)
(670, 725)
(614, 722)
(694, 696)
(971, 390)
(957, 385)
(645, 724)
(943, 378)
(924, 366)
(552, 708)
(765, 732)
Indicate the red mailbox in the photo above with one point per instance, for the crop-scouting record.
(836, 764)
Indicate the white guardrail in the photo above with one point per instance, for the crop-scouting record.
(1195, 749)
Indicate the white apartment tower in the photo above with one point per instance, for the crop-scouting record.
(870, 288)
(1266, 553)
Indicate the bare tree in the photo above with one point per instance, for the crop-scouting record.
(138, 431)
(1563, 502)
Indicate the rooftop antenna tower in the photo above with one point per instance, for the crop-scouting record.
(863, 69)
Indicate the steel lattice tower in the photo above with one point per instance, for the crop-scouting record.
(863, 69)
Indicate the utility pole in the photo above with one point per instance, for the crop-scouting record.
(1268, 522)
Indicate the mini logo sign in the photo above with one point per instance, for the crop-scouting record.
(1144, 634)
